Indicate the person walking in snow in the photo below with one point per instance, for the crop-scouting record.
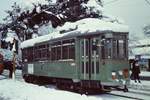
(136, 71)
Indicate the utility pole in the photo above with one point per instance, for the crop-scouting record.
(14, 59)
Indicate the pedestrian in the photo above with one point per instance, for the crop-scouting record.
(136, 71)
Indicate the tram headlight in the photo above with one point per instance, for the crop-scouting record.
(120, 72)
(113, 75)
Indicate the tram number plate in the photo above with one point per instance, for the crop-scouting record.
(30, 68)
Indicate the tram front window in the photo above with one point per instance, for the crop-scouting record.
(119, 49)
(106, 49)
(113, 49)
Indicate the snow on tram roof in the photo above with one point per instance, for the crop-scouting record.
(84, 26)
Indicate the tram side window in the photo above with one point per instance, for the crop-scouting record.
(37, 53)
(53, 53)
(28, 54)
(25, 55)
(119, 48)
(41, 52)
(55, 50)
(44, 51)
(63, 50)
(68, 49)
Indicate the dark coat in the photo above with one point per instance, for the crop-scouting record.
(136, 68)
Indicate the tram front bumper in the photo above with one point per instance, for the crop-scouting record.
(116, 83)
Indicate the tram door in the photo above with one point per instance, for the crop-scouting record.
(89, 58)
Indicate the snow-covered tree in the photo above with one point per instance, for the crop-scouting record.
(146, 30)
(25, 21)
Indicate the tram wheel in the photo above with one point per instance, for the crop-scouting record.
(125, 89)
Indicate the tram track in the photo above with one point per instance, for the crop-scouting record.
(131, 95)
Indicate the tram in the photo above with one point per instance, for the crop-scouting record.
(80, 60)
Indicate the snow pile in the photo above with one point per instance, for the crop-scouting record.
(7, 54)
(145, 73)
(84, 26)
(141, 51)
(140, 42)
(31, 42)
(94, 25)
(15, 90)
(140, 47)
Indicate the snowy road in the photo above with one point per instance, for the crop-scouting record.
(19, 90)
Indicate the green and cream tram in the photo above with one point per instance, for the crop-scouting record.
(96, 59)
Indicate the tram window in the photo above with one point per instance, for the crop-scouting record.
(53, 53)
(32, 54)
(72, 52)
(119, 49)
(62, 50)
(65, 52)
(106, 49)
(25, 54)
(97, 67)
(95, 43)
(92, 67)
(87, 67)
(41, 52)
(68, 49)
(87, 48)
(58, 53)
(82, 67)
(103, 52)
(109, 48)
(44, 53)
(28, 54)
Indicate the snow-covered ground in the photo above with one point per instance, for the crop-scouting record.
(145, 73)
(17, 90)
(20, 90)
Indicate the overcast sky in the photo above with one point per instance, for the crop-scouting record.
(135, 13)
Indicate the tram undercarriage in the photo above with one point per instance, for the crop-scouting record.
(82, 87)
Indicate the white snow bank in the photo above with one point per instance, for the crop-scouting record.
(16, 90)
(141, 51)
(141, 42)
(144, 73)
(7, 54)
